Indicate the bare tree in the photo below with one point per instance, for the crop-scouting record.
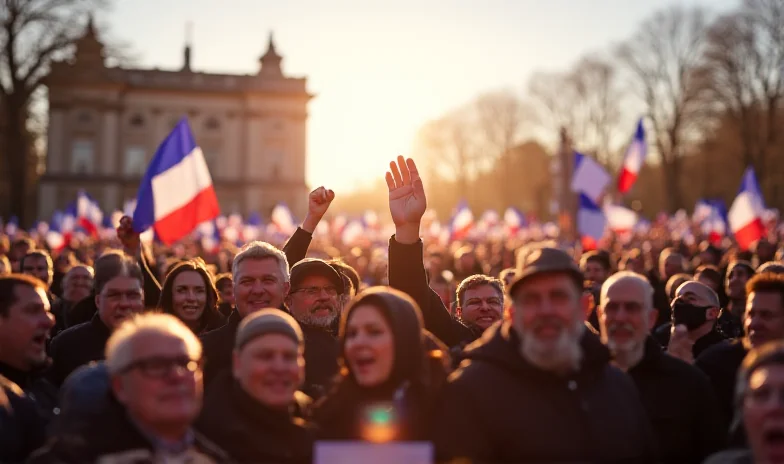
(501, 117)
(664, 61)
(553, 96)
(744, 59)
(32, 34)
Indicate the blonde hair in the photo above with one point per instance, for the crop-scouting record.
(119, 348)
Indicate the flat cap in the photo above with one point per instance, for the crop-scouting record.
(268, 321)
(316, 267)
(544, 260)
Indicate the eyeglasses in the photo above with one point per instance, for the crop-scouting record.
(131, 295)
(160, 367)
(316, 291)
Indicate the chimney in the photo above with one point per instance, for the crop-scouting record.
(187, 51)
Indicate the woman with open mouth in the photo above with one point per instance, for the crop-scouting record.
(189, 294)
(392, 370)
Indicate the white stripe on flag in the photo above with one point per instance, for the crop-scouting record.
(178, 185)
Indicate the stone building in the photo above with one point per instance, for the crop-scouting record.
(105, 124)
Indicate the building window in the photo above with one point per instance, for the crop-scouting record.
(212, 124)
(82, 157)
(211, 158)
(85, 117)
(135, 161)
(137, 121)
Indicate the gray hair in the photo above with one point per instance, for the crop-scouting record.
(708, 292)
(89, 269)
(629, 276)
(260, 250)
(119, 348)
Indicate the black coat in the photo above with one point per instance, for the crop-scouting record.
(219, 343)
(681, 406)
(22, 430)
(500, 408)
(248, 431)
(112, 437)
(37, 388)
(721, 363)
(662, 335)
(407, 274)
(77, 346)
(322, 350)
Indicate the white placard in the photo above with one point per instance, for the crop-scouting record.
(345, 452)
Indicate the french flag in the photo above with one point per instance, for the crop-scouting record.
(88, 213)
(589, 177)
(176, 194)
(283, 219)
(711, 214)
(462, 221)
(745, 215)
(591, 222)
(513, 220)
(252, 228)
(632, 162)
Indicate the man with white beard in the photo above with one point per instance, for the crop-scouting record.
(538, 387)
(678, 397)
(316, 290)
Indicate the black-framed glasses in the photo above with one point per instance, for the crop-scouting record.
(160, 367)
(316, 291)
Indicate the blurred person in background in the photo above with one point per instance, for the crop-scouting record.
(189, 294)
(731, 317)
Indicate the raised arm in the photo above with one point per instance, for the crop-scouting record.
(407, 205)
(132, 245)
(296, 247)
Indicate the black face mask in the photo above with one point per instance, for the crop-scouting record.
(692, 316)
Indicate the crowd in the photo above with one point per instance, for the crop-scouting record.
(651, 349)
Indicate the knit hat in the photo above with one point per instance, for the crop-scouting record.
(265, 322)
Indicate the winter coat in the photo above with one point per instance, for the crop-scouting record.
(250, 432)
(662, 335)
(37, 388)
(681, 406)
(721, 363)
(76, 347)
(498, 407)
(22, 430)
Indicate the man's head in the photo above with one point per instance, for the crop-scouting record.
(674, 282)
(709, 254)
(738, 274)
(261, 277)
(269, 361)
(695, 306)
(78, 283)
(119, 287)
(775, 267)
(626, 313)
(25, 321)
(5, 265)
(20, 247)
(443, 284)
(670, 263)
(38, 264)
(225, 287)
(351, 282)
(633, 261)
(759, 402)
(764, 318)
(480, 301)
(549, 308)
(316, 288)
(154, 361)
(709, 275)
(595, 266)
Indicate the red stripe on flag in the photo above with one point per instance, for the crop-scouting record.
(88, 226)
(750, 233)
(183, 221)
(588, 243)
(626, 180)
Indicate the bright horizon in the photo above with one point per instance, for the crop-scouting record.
(379, 72)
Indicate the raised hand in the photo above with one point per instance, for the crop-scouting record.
(407, 201)
(318, 204)
(128, 237)
(681, 345)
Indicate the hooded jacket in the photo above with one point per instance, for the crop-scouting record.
(681, 406)
(498, 407)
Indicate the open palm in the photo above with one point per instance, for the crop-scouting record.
(407, 201)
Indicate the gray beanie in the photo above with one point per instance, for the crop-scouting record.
(267, 321)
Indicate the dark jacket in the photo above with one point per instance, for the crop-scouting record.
(681, 406)
(500, 408)
(662, 335)
(732, 456)
(83, 311)
(721, 363)
(407, 274)
(77, 346)
(37, 388)
(219, 343)
(22, 430)
(112, 437)
(250, 432)
(60, 310)
(729, 324)
(321, 359)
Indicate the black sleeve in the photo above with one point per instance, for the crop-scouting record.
(55, 372)
(407, 274)
(712, 427)
(297, 247)
(152, 288)
(458, 432)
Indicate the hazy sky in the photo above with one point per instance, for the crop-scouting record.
(380, 69)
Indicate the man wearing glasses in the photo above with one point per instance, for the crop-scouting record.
(314, 302)
(118, 296)
(155, 366)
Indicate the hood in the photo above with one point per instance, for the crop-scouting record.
(499, 345)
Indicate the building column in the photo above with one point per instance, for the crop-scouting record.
(55, 151)
(47, 199)
(110, 162)
(111, 198)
